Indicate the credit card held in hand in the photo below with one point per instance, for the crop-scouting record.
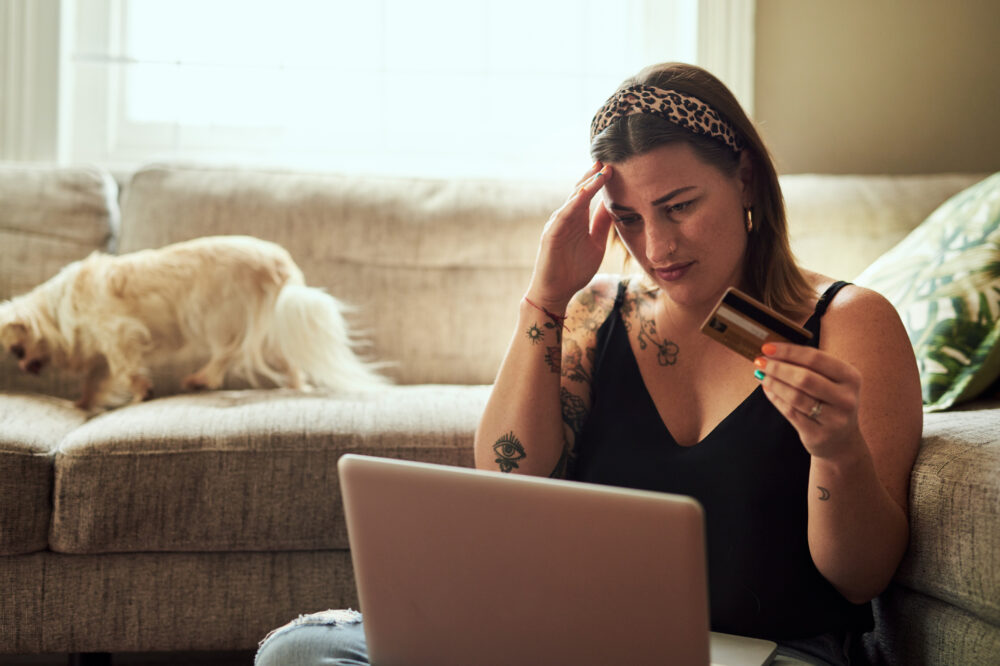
(744, 324)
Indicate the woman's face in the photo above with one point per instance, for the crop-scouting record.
(682, 220)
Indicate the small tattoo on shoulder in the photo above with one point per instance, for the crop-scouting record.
(666, 350)
(824, 494)
(509, 450)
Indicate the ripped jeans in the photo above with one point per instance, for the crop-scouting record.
(337, 638)
(334, 637)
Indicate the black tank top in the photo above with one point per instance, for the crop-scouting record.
(750, 475)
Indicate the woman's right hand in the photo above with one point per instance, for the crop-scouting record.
(572, 245)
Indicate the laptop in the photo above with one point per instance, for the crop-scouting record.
(461, 567)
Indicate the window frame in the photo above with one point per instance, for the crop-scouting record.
(38, 123)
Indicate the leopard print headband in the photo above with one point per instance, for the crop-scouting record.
(678, 108)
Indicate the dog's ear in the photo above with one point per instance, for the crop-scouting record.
(13, 337)
(13, 330)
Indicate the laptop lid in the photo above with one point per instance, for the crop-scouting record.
(458, 566)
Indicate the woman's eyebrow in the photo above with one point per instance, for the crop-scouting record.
(662, 200)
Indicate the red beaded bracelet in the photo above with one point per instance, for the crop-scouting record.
(560, 319)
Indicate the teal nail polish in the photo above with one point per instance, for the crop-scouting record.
(758, 374)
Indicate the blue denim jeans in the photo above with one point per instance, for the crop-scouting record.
(333, 637)
(337, 638)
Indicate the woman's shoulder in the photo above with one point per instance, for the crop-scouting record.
(856, 312)
(592, 304)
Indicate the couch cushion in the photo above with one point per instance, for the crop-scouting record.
(436, 267)
(913, 628)
(31, 428)
(954, 552)
(435, 296)
(838, 225)
(146, 602)
(49, 218)
(242, 470)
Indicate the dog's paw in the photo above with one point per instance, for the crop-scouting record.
(142, 389)
(195, 382)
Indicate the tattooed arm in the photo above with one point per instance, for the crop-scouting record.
(521, 429)
(542, 394)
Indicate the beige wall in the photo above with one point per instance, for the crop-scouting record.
(879, 86)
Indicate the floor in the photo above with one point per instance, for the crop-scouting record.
(141, 659)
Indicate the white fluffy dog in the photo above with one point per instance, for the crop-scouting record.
(240, 299)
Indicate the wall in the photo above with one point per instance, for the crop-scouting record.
(879, 86)
(29, 74)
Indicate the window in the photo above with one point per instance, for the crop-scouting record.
(470, 88)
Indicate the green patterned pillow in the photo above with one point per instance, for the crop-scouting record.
(944, 279)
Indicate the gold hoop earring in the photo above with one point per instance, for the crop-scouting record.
(748, 214)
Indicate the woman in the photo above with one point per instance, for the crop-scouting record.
(804, 478)
(801, 461)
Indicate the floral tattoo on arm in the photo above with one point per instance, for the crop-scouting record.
(574, 414)
(574, 411)
(572, 362)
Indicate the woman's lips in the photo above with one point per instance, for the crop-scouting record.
(673, 271)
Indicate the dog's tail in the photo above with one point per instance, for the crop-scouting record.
(308, 331)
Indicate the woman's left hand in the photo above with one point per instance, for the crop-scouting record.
(818, 394)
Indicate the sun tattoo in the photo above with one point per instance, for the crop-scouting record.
(509, 450)
(535, 334)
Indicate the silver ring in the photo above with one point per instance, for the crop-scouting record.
(816, 410)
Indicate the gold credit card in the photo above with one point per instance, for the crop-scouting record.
(744, 324)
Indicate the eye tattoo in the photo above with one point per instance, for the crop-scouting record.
(509, 450)
(535, 334)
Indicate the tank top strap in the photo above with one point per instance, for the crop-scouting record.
(812, 324)
(620, 297)
(606, 329)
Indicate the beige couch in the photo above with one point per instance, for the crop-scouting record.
(199, 522)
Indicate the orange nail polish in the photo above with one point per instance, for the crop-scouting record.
(769, 348)
(760, 362)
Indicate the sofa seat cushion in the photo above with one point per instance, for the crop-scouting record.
(914, 628)
(161, 602)
(31, 428)
(242, 470)
(954, 552)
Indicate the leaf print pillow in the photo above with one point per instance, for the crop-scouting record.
(944, 279)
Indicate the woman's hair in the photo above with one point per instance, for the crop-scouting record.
(770, 271)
